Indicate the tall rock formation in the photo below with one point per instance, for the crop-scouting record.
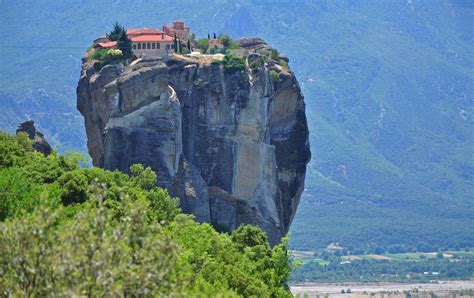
(39, 142)
(231, 143)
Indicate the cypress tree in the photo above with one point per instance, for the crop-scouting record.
(114, 35)
(175, 43)
(208, 36)
(125, 45)
(215, 37)
(119, 34)
(189, 45)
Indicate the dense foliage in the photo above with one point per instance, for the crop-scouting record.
(101, 57)
(67, 230)
(203, 44)
(233, 64)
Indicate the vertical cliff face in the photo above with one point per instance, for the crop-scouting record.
(232, 144)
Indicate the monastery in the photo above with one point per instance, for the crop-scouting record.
(150, 42)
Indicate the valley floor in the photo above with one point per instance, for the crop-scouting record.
(457, 288)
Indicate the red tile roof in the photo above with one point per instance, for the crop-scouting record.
(152, 38)
(109, 44)
(143, 31)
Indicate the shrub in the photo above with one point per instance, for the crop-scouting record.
(73, 187)
(225, 40)
(255, 66)
(11, 151)
(283, 64)
(274, 76)
(233, 64)
(114, 53)
(215, 62)
(249, 236)
(216, 50)
(203, 44)
(275, 54)
(105, 57)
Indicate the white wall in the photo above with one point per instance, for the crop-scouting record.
(161, 52)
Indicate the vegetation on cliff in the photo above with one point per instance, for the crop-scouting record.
(101, 57)
(68, 230)
(233, 64)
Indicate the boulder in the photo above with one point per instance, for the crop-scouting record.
(39, 142)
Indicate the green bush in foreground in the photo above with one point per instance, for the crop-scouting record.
(71, 231)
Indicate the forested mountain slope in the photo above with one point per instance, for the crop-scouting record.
(388, 86)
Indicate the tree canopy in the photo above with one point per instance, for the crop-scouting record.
(124, 44)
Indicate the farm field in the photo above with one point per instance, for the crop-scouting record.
(306, 256)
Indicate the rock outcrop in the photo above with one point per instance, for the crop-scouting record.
(39, 142)
(231, 144)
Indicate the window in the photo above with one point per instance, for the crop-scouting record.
(134, 46)
(148, 46)
(139, 46)
(153, 46)
(158, 45)
(144, 46)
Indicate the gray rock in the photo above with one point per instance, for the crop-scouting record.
(192, 191)
(249, 42)
(223, 209)
(39, 142)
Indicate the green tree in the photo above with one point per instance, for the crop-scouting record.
(175, 43)
(124, 44)
(249, 236)
(74, 186)
(233, 64)
(116, 32)
(142, 177)
(275, 54)
(225, 40)
(203, 44)
(12, 150)
(180, 46)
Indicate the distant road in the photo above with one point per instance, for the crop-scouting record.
(333, 290)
